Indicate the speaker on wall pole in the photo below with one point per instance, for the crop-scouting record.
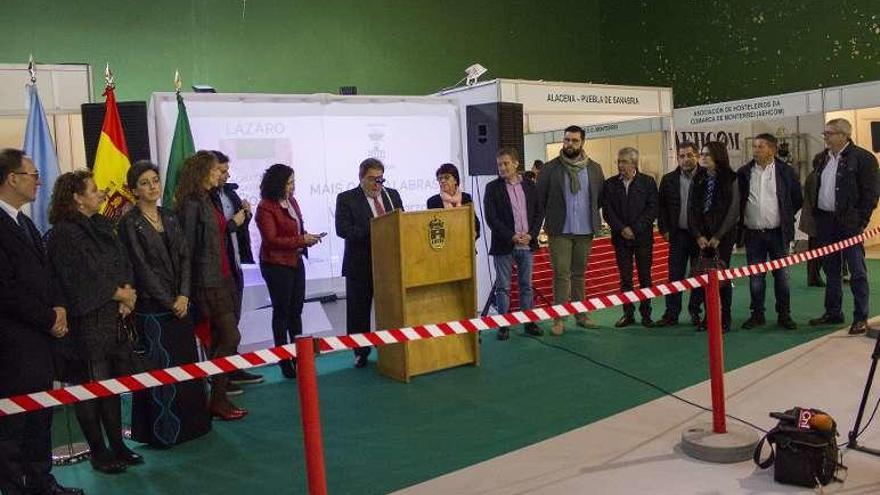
(491, 126)
(133, 115)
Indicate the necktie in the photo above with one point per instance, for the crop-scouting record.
(380, 210)
(710, 194)
(22, 224)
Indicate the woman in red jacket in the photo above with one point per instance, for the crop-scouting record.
(284, 242)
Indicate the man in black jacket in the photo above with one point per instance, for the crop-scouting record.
(672, 221)
(846, 194)
(770, 196)
(31, 316)
(354, 209)
(514, 218)
(238, 246)
(629, 205)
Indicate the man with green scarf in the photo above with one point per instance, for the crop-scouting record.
(569, 189)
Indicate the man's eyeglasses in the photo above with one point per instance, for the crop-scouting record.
(445, 178)
(377, 180)
(35, 175)
(830, 133)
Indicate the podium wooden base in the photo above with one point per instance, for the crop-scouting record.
(403, 361)
(425, 274)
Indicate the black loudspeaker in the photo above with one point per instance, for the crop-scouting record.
(491, 126)
(133, 115)
(875, 137)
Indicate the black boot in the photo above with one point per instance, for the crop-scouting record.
(88, 415)
(111, 418)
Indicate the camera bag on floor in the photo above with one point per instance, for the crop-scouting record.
(803, 448)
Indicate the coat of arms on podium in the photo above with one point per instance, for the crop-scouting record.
(437, 233)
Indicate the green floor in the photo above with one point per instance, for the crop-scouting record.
(380, 435)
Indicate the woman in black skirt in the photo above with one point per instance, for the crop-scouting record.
(170, 414)
(95, 281)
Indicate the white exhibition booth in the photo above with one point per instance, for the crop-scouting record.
(796, 119)
(613, 117)
(324, 138)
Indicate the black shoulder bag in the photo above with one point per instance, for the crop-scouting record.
(803, 448)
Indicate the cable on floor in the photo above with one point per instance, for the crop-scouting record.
(642, 381)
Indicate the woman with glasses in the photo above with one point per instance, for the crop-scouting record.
(284, 244)
(95, 281)
(713, 212)
(170, 414)
(451, 195)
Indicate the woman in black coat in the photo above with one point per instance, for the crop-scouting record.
(213, 286)
(713, 212)
(451, 194)
(170, 414)
(95, 280)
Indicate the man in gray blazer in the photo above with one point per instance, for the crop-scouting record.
(569, 191)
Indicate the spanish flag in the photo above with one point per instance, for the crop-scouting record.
(111, 161)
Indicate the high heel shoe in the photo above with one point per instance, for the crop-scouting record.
(227, 411)
(288, 369)
(128, 456)
(107, 464)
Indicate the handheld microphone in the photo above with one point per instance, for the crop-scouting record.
(783, 417)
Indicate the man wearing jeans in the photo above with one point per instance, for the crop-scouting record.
(770, 195)
(569, 189)
(514, 218)
(845, 188)
(672, 222)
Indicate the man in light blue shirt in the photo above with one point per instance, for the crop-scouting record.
(569, 189)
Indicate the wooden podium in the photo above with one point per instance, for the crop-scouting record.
(424, 272)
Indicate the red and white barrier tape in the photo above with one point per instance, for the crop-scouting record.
(167, 376)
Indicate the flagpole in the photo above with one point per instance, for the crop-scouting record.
(40, 148)
(182, 146)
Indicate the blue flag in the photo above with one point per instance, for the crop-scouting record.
(39, 146)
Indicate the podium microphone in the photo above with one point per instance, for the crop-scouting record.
(385, 192)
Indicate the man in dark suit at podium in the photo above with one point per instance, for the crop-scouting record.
(354, 210)
(30, 319)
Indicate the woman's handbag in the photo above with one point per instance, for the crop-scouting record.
(127, 332)
(708, 260)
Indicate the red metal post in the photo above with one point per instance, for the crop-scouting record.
(307, 380)
(716, 352)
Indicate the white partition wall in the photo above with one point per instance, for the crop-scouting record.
(324, 138)
(62, 88)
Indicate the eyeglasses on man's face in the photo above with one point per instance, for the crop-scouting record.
(830, 133)
(377, 180)
(35, 175)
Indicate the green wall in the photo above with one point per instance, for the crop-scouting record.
(708, 50)
(717, 50)
(304, 46)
